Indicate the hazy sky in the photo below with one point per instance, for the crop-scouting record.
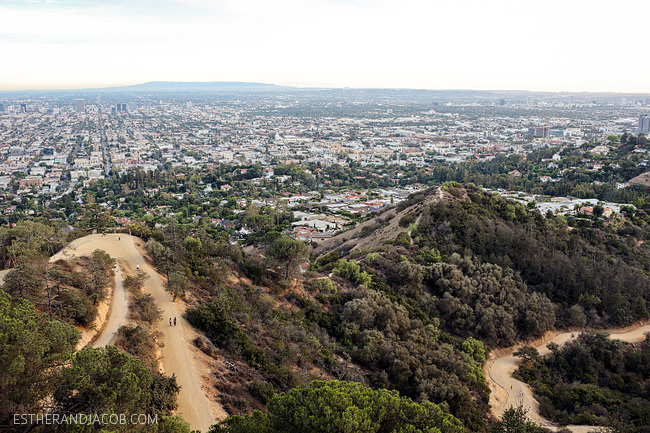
(567, 45)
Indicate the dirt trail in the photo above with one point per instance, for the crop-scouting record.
(508, 391)
(192, 403)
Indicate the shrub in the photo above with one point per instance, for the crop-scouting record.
(146, 309)
(407, 219)
(263, 391)
(215, 320)
(351, 270)
(77, 308)
(138, 342)
(324, 285)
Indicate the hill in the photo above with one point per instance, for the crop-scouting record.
(642, 179)
(546, 274)
(196, 86)
(383, 228)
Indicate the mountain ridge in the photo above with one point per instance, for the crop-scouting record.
(194, 86)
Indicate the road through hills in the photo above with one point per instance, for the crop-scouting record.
(508, 391)
(192, 402)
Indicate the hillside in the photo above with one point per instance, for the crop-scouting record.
(592, 274)
(642, 179)
(383, 228)
(408, 305)
(412, 299)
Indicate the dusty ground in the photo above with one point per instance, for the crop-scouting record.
(205, 366)
(192, 402)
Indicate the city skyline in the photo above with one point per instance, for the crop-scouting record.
(504, 45)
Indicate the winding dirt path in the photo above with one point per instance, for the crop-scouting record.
(192, 402)
(508, 391)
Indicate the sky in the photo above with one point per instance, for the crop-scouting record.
(551, 45)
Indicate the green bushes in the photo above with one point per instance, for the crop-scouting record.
(407, 219)
(341, 407)
(263, 391)
(324, 285)
(76, 308)
(137, 341)
(403, 239)
(219, 327)
(146, 309)
(569, 267)
(593, 380)
(351, 270)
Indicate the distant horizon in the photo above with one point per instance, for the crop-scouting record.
(304, 86)
(555, 46)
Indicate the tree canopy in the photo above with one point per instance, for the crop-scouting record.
(342, 407)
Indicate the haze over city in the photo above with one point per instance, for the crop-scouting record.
(467, 44)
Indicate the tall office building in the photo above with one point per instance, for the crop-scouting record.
(80, 106)
(539, 131)
(644, 125)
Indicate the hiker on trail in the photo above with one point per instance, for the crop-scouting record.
(118, 237)
(170, 321)
(137, 266)
(174, 321)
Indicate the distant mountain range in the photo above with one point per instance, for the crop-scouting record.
(181, 86)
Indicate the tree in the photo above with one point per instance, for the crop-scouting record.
(31, 347)
(515, 420)
(136, 281)
(160, 254)
(334, 406)
(287, 252)
(101, 265)
(598, 211)
(107, 381)
(351, 270)
(176, 283)
(527, 353)
(25, 281)
(28, 241)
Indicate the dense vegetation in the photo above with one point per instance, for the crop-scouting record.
(593, 275)
(289, 337)
(37, 361)
(415, 315)
(593, 380)
(340, 407)
(67, 290)
(408, 315)
(40, 372)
